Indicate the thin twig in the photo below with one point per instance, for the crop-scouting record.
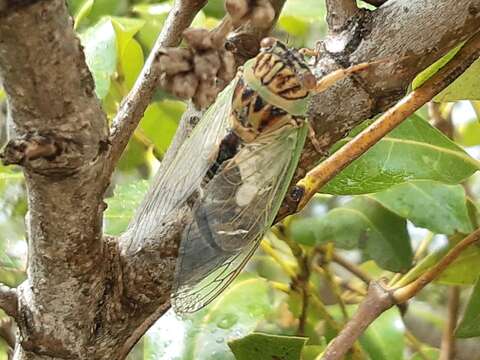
(135, 103)
(380, 298)
(408, 291)
(377, 301)
(351, 151)
(447, 348)
(339, 13)
(351, 267)
(8, 300)
(415, 344)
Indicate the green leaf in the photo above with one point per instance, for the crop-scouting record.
(82, 11)
(384, 338)
(433, 69)
(413, 151)
(432, 205)
(465, 87)
(131, 62)
(365, 224)
(468, 134)
(470, 324)
(260, 346)
(155, 15)
(464, 270)
(298, 17)
(129, 51)
(125, 28)
(430, 353)
(122, 206)
(245, 304)
(100, 48)
(162, 115)
(311, 352)
(107, 8)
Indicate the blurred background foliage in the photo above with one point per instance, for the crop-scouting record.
(393, 213)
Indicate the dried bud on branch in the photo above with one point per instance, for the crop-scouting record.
(259, 12)
(200, 71)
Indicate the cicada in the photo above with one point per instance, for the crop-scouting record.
(235, 169)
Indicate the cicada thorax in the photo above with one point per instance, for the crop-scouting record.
(271, 93)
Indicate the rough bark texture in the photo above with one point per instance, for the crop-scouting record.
(88, 297)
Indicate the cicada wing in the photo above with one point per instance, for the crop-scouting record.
(174, 183)
(231, 216)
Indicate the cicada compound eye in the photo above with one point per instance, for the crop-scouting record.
(268, 42)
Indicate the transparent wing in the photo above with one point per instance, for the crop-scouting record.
(231, 216)
(175, 183)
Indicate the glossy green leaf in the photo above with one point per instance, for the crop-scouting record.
(413, 151)
(384, 338)
(100, 49)
(267, 347)
(470, 324)
(122, 205)
(365, 224)
(432, 205)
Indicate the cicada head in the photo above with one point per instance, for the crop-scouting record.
(273, 91)
(282, 70)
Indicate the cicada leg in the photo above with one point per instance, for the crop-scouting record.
(308, 52)
(313, 139)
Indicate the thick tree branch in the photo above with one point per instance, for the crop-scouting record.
(59, 133)
(340, 13)
(8, 300)
(134, 105)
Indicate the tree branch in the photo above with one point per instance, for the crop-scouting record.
(379, 299)
(8, 300)
(340, 13)
(330, 167)
(135, 103)
(58, 121)
(447, 349)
